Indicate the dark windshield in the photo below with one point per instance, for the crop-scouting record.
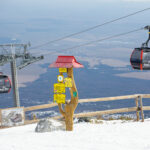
(7, 83)
(136, 56)
(146, 57)
(1, 82)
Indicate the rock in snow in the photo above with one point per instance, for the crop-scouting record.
(49, 125)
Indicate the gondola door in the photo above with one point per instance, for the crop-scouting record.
(5, 84)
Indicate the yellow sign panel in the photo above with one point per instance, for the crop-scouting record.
(62, 69)
(68, 82)
(59, 88)
(59, 98)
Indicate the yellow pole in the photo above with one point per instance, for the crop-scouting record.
(71, 106)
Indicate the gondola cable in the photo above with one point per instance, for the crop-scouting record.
(89, 29)
(100, 40)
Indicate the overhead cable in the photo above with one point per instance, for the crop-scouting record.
(89, 29)
(95, 41)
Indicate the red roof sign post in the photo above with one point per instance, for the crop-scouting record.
(66, 62)
(66, 65)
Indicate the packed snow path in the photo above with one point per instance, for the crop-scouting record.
(111, 135)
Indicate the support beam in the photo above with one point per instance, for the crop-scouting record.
(137, 109)
(15, 84)
(141, 105)
(10, 55)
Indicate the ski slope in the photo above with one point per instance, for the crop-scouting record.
(109, 135)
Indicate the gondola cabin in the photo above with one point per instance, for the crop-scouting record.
(5, 84)
(140, 58)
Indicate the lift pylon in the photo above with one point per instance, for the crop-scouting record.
(9, 54)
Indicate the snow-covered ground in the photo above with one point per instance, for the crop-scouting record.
(110, 135)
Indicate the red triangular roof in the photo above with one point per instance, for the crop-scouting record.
(66, 62)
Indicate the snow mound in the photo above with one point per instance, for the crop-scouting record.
(49, 125)
(109, 135)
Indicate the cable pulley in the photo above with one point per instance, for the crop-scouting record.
(29, 59)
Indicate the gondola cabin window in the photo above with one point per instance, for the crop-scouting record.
(5, 84)
(140, 59)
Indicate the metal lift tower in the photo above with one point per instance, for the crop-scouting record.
(9, 54)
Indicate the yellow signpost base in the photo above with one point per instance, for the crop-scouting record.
(68, 82)
(70, 107)
(59, 88)
(59, 98)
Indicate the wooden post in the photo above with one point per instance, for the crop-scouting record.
(141, 105)
(0, 117)
(137, 110)
(71, 106)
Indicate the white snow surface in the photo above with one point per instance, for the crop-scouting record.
(55, 123)
(111, 135)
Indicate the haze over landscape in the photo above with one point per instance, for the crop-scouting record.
(107, 69)
(107, 72)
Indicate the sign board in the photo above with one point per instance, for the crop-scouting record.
(59, 88)
(59, 98)
(60, 78)
(68, 82)
(12, 117)
(62, 70)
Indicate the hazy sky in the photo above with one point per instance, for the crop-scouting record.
(39, 21)
(25, 9)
